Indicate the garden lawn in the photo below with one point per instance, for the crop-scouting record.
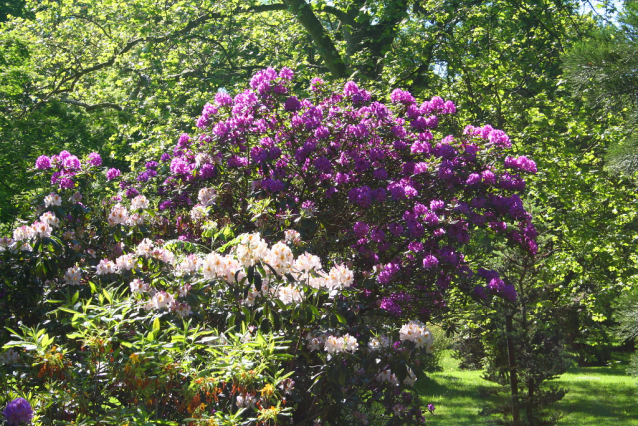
(597, 396)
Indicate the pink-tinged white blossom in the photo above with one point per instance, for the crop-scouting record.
(126, 262)
(292, 237)
(251, 249)
(139, 202)
(144, 248)
(280, 257)
(415, 331)
(106, 267)
(136, 219)
(289, 294)
(91, 253)
(118, 215)
(23, 233)
(387, 376)
(339, 277)
(345, 343)
(5, 242)
(316, 343)
(138, 286)
(52, 199)
(286, 386)
(202, 158)
(305, 264)
(398, 409)
(41, 229)
(73, 275)
(182, 309)
(207, 196)
(49, 218)
(164, 255)
(251, 296)
(189, 264)
(198, 213)
(161, 300)
(9, 357)
(378, 343)
(183, 290)
(410, 379)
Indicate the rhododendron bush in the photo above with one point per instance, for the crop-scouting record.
(334, 225)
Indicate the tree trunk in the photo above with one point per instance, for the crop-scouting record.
(509, 328)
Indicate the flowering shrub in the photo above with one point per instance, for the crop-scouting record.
(217, 235)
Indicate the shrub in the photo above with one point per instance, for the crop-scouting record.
(212, 241)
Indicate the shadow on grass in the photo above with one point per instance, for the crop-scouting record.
(590, 395)
(458, 400)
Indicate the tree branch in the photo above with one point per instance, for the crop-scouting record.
(318, 34)
(93, 107)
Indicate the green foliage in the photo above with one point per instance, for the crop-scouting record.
(101, 360)
(602, 70)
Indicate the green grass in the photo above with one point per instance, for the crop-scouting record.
(597, 396)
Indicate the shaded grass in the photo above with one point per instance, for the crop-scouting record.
(596, 396)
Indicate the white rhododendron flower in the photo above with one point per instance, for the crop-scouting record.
(49, 218)
(118, 215)
(73, 275)
(106, 267)
(289, 294)
(23, 233)
(164, 255)
(138, 286)
(144, 247)
(126, 262)
(251, 249)
(161, 300)
(346, 343)
(189, 264)
(250, 298)
(388, 376)
(198, 212)
(41, 229)
(183, 310)
(410, 378)
(5, 242)
(417, 332)
(280, 257)
(52, 199)
(135, 219)
(139, 202)
(380, 342)
(293, 237)
(207, 196)
(9, 357)
(316, 343)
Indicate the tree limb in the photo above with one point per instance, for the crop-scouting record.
(318, 34)
(93, 107)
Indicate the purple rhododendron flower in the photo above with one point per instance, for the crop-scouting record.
(43, 162)
(112, 173)
(430, 262)
(18, 411)
(95, 159)
(72, 162)
(292, 104)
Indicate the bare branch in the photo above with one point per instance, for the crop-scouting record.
(93, 107)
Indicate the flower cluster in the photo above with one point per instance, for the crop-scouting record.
(417, 332)
(18, 411)
(66, 167)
